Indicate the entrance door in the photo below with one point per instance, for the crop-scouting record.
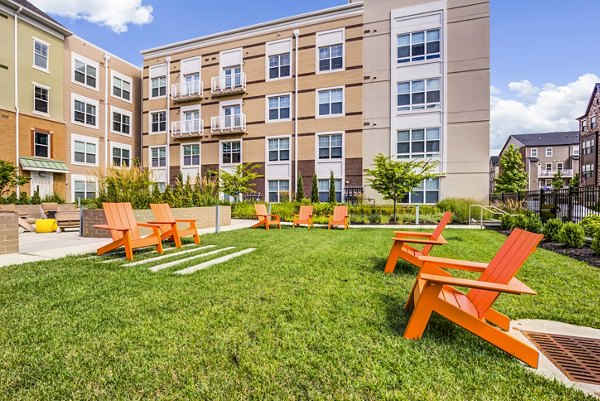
(233, 77)
(43, 183)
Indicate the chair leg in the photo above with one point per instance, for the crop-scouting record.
(176, 237)
(395, 252)
(127, 244)
(498, 319)
(196, 238)
(410, 302)
(109, 247)
(422, 312)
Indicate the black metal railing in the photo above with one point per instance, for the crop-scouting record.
(353, 195)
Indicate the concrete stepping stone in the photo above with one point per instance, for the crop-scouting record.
(163, 266)
(213, 262)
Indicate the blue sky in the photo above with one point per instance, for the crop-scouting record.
(544, 53)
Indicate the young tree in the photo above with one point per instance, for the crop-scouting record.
(558, 181)
(396, 179)
(574, 183)
(314, 195)
(331, 188)
(239, 181)
(512, 177)
(300, 189)
(10, 178)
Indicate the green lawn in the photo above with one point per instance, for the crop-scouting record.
(308, 315)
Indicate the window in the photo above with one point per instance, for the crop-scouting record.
(427, 192)
(84, 151)
(331, 57)
(84, 189)
(559, 166)
(324, 190)
(191, 155)
(158, 156)
(121, 155)
(41, 146)
(158, 121)
(40, 54)
(191, 121)
(191, 84)
(279, 66)
(40, 99)
(419, 143)
(84, 72)
(548, 182)
(584, 126)
(121, 121)
(231, 152)
(418, 95)
(588, 147)
(419, 46)
(548, 152)
(279, 149)
(232, 77)
(232, 116)
(84, 112)
(159, 86)
(121, 88)
(575, 151)
(587, 170)
(331, 102)
(279, 108)
(279, 190)
(548, 167)
(534, 152)
(593, 123)
(330, 146)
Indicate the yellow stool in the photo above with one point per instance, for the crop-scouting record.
(45, 226)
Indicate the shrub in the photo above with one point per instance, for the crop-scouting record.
(521, 221)
(552, 229)
(534, 224)
(596, 244)
(572, 235)
(591, 225)
(459, 207)
(374, 218)
(507, 222)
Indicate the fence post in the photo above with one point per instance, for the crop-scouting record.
(570, 203)
(542, 201)
(418, 214)
(218, 219)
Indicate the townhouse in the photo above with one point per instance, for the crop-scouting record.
(588, 128)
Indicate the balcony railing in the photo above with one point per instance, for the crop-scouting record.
(228, 124)
(228, 84)
(188, 128)
(187, 91)
(544, 173)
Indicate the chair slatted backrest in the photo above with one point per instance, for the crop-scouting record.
(504, 266)
(49, 207)
(261, 209)
(121, 215)
(339, 213)
(162, 212)
(437, 232)
(305, 212)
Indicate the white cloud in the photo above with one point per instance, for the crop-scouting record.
(115, 14)
(549, 109)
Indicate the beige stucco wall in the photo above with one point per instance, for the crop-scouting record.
(7, 62)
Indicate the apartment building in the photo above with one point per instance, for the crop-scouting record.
(588, 128)
(545, 154)
(494, 172)
(102, 112)
(324, 92)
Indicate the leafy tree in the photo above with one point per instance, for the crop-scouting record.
(394, 180)
(240, 180)
(314, 195)
(558, 181)
(300, 189)
(512, 177)
(331, 188)
(10, 178)
(574, 183)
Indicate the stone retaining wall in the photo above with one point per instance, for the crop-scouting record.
(204, 216)
(9, 233)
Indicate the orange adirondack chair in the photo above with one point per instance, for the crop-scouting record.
(168, 224)
(432, 292)
(339, 217)
(401, 249)
(265, 218)
(304, 216)
(125, 230)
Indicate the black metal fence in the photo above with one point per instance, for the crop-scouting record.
(571, 204)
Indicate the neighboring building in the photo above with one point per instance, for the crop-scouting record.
(325, 92)
(588, 128)
(494, 171)
(545, 154)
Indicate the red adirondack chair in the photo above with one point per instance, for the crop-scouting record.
(433, 291)
(264, 218)
(339, 217)
(401, 249)
(304, 216)
(168, 224)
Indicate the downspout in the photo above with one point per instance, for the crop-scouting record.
(296, 35)
(106, 110)
(168, 120)
(17, 111)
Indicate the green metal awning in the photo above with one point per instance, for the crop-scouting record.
(50, 166)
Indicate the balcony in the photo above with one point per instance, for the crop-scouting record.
(543, 173)
(228, 124)
(187, 129)
(228, 84)
(186, 91)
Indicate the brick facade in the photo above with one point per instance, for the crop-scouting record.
(354, 173)
(590, 133)
(306, 168)
(9, 233)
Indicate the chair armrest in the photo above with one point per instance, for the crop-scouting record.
(112, 228)
(400, 234)
(162, 223)
(185, 221)
(453, 263)
(513, 287)
(154, 225)
(439, 241)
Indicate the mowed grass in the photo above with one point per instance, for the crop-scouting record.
(308, 315)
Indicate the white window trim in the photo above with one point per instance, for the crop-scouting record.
(562, 166)
(181, 154)
(49, 144)
(289, 180)
(267, 78)
(150, 122)
(440, 109)
(267, 97)
(394, 143)
(75, 56)
(343, 43)
(34, 111)
(46, 70)
(120, 146)
(115, 74)
(122, 112)
(343, 158)
(575, 150)
(343, 113)
(278, 162)
(87, 100)
(86, 178)
(551, 152)
(531, 152)
(150, 158)
(221, 164)
(150, 76)
(85, 139)
(420, 62)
